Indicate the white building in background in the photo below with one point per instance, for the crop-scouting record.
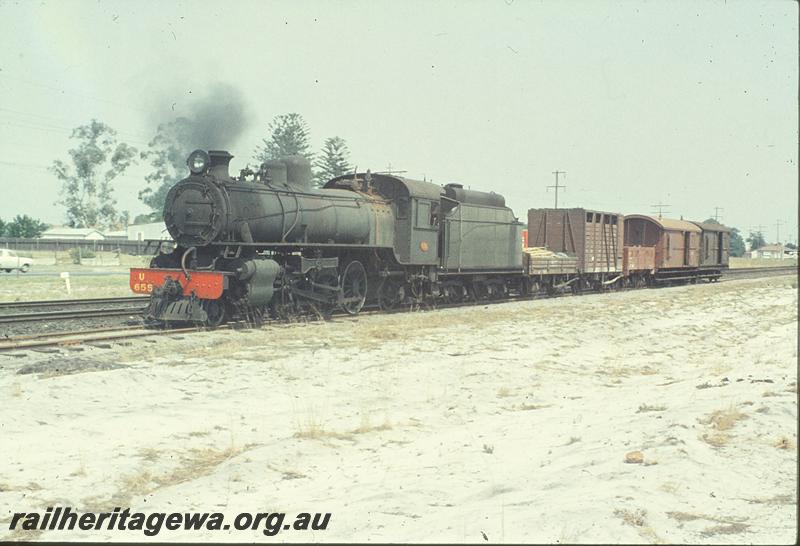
(142, 232)
(86, 234)
(770, 252)
(119, 235)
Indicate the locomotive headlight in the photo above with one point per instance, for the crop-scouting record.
(198, 161)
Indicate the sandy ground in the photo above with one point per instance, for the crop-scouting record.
(510, 421)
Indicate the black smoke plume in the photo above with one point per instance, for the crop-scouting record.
(212, 119)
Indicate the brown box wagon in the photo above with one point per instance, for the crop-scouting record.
(593, 237)
(676, 243)
(715, 243)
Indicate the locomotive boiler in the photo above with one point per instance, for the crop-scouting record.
(268, 243)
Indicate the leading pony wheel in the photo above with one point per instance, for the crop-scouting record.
(215, 311)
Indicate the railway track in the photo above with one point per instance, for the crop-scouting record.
(58, 310)
(71, 303)
(82, 337)
(760, 272)
(68, 315)
(71, 338)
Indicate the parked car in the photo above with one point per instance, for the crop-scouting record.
(9, 260)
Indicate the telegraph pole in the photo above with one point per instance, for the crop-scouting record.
(557, 186)
(716, 213)
(759, 230)
(660, 207)
(778, 230)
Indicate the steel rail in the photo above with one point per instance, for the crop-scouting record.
(770, 271)
(65, 315)
(74, 302)
(62, 339)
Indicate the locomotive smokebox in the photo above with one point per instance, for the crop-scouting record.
(218, 164)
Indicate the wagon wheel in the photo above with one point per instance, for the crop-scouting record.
(477, 290)
(390, 294)
(454, 293)
(354, 287)
(215, 311)
(497, 290)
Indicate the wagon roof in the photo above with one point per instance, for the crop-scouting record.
(667, 223)
(709, 226)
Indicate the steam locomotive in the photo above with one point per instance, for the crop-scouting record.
(269, 244)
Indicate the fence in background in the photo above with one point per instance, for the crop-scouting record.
(122, 246)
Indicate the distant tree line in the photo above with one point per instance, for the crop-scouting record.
(22, 226)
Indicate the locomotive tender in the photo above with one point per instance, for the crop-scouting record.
(269, 244)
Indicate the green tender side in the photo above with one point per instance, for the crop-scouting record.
(481, 238)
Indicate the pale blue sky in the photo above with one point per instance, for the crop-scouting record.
(690, 103)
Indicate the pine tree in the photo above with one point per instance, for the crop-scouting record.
(289, 135)
(334, 160)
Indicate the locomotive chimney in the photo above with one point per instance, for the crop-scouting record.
(218, 163)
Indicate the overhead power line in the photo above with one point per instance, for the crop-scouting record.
(556, 186)
(660, 207)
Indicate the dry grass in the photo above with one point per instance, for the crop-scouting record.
(724, 529)
(634, 518)
(316, 431)
(529, 407)
(725, 526)
(643, 408)
(287, 473)
(23, 287)
(683, 516)
(716, 440)
(194, 464)
(149, 454)
(784, 443)
(724, 419)
(627, 371)
(776, 499)
(742, 263)
(503, 392)
(669, 487)
(30, 486)
(313, 429)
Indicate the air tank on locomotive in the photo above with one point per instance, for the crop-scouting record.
(281, 206)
